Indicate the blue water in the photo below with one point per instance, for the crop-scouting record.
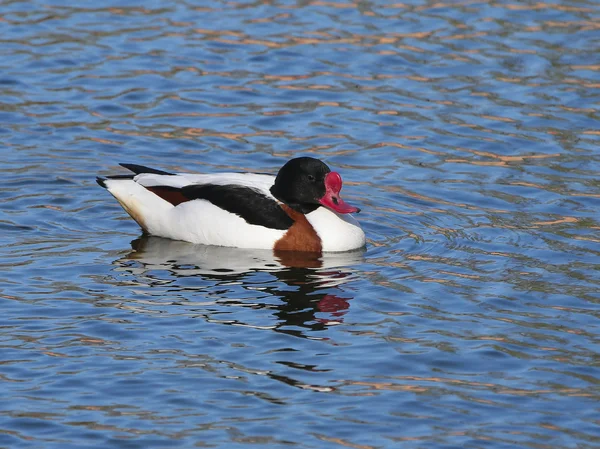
(468, 133)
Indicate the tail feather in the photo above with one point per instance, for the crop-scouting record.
(102, 180)
(137, 169)
(146, 208)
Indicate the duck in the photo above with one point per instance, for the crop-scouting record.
(299, 209)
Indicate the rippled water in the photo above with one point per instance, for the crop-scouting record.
(467, 132)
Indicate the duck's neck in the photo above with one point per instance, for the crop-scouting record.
(303, 208)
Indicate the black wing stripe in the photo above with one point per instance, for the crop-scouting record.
(254, 207)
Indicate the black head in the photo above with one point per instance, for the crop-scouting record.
(300, 183)
(305, 183)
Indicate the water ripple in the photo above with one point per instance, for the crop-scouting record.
(467, 130)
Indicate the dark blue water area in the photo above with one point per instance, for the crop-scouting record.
(468, 134)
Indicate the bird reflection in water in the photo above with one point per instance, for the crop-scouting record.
(306, 284)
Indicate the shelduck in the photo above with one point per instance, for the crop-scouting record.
(300, 209)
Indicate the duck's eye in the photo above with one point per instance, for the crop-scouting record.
(311, 178)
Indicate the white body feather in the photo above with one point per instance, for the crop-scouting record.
(200, 221)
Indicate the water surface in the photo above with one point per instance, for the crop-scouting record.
(468, 134)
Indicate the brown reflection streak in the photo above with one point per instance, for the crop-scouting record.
(541, 5)
(500, 160)
(219, 32)
(287, 77)
(276, 113)
(237, 88)
(499, 119)
(334, 4)
(464, 36)
(54, 354)
(408, 147)
(123, 11)
(321, 136)
(569, 24)
(105, 141)
(435, 259)
(580, 110)
(328, 74)
(411, 48)
(527, 184)
(401, 191)
(271, 19)
(319, 37)
(176, 134)
(553, 222)
(197, 114)
(301, 87)
(585, 239)
(342, 442)
(92, 341)
(581, 82)
(439, 281)
(513, 158)
(466, 161)
(499, 389)
(462, 275)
